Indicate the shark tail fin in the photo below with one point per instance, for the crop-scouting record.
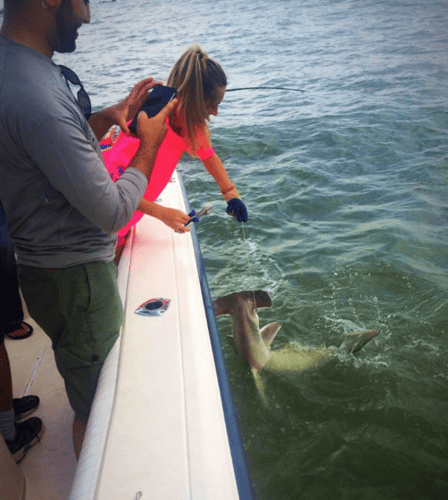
(354, 342)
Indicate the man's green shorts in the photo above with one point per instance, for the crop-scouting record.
(80, 310)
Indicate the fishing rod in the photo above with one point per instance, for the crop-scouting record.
(266, 88)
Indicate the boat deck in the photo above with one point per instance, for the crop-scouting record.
(49, 467)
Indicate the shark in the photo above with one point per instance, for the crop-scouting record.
(254, 343)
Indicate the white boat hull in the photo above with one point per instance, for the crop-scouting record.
(157, 428)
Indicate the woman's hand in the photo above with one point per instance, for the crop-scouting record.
(237, 209)
(125, 110)
(175, 219)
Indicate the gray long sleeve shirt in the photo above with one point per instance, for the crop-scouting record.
(62, 207)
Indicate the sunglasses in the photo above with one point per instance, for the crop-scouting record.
(82, 96)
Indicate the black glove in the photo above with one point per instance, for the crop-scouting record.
(238, 209)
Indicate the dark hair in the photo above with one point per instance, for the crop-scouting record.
(13, 5)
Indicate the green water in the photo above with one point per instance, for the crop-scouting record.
(346, 188)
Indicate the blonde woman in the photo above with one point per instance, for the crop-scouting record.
(201, 84)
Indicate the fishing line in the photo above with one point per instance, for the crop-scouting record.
(242, 224)
(262, 87)
(248, 259)
(265, 88)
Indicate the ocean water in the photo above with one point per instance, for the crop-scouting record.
(346, 187)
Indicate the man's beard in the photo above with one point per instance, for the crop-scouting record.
(66, 29)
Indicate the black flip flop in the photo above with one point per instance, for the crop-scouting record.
(28, 334)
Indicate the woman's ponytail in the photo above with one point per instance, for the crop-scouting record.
(196, 78)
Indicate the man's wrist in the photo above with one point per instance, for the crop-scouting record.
(144, 160)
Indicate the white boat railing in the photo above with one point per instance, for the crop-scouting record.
(243, 479)
(202, 415)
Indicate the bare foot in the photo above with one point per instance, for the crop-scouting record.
(23, 332)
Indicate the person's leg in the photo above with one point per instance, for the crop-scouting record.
(19, 437)
(5, 379)
(80, 310)
(79, 430)
(11, 312)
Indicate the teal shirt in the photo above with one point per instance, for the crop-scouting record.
(62, 207)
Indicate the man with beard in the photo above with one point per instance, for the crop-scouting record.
(62, 208)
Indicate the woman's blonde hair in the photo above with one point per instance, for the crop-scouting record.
(196, 78)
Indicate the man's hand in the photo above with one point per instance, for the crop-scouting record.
(128, 107)
(121, 113)
(151, 132)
